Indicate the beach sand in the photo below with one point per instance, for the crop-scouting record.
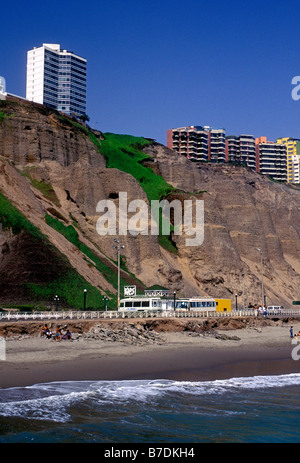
(181, 356)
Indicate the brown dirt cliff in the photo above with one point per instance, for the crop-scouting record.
(243, 211)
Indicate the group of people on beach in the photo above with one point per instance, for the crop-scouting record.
(261, 309)
(292, 335)
(58, 335)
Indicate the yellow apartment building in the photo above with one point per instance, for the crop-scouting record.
(293, 158)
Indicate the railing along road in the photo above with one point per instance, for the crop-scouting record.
(82, 315)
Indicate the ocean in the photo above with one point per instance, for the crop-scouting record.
(257, 409)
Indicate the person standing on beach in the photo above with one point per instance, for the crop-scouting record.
(58, 335)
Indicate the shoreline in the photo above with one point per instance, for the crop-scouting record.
(179, 356)
(144, 366)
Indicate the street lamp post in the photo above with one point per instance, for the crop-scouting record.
(174, 294)
(84, 299)
(56, 302)
(159, 276)
(262, 277)
(243, 291)
(118, 246)
(236, 302)
(104, 300)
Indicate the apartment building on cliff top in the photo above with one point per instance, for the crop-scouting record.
(198, 143)
(280, 160)
(293, 158)
(57, 78)
(271, 159)
(241, 149)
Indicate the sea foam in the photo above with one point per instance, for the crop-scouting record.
(53, 401)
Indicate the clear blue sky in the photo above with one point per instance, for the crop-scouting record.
(160, 64)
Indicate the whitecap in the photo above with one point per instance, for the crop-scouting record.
(52, 401)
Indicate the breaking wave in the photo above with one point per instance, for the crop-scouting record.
(56, 401)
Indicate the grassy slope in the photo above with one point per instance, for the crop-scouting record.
(123, 152)
(71, 235)
(69, 285)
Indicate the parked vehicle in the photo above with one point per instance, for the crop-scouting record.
(140, 304)
(274, 308)
(196, 304)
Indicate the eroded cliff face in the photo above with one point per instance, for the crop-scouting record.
(31, 133)
(243, 211)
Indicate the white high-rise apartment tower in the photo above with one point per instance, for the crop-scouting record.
(57, 78)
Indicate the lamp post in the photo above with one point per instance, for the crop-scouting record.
(174, 294)
(104, 300)
(243, 291)
(236, 302)
(56, 302)
(159, 276)
(262, 277)
(118, 246)
(84, 299)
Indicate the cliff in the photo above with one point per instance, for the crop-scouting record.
(54, 171)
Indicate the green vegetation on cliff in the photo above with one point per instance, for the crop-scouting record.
(12, 219)
(123, 152)
(45, 188)
(56, 275)
(71, 235)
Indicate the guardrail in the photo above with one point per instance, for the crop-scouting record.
(83, 315)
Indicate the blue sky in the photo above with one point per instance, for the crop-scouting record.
(161, 64)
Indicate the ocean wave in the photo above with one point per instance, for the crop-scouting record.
(55, 401)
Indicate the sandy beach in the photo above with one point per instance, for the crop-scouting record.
(179, 355)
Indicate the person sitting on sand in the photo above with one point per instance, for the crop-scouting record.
(67, 335)
(45, 330)
(49, 334)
